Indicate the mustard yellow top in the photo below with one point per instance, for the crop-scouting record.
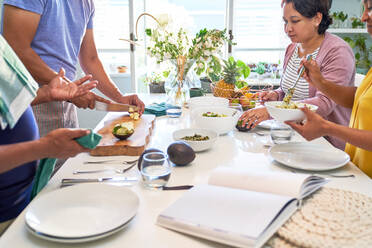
(361, 118)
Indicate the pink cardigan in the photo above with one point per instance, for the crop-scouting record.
(337, 64)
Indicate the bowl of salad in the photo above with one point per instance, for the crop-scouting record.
(219, 119)
(198, 139)
(281, 111)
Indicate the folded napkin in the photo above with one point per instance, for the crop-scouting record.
(17, 87)
(159, 109)
(46, 165)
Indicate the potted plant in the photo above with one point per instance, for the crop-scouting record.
(362, 52)
(156, 81)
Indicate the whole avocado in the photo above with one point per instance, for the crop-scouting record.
(180, 153)
(144, 152)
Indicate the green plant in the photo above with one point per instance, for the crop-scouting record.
(356, 22)
(342, 16)
(205, 48)
(362, 52)
(156, 77)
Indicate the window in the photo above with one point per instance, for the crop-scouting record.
(258, 31)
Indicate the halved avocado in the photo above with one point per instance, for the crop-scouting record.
(121, 132)
(241, 128)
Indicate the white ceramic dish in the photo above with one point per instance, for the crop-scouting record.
(307, 156)
(206, 101)
(197, 146)
(81, 213)
(221, 125)
(268, 124)
(281, 114)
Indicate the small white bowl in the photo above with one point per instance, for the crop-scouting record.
(221, 125)
(281, 114)
(197, 146)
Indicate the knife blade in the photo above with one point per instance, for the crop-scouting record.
(71, 181)
(115, 107)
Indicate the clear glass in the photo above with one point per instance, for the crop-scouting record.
(281, 133)
(155, 170)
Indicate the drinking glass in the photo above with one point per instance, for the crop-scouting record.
(280, 133)
(236, 106)
(155, 170)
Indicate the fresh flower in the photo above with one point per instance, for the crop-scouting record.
(205, 48)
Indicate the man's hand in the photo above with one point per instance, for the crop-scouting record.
(314, 127)
(61, 143)
(133, 100)
(60, 90)
(88, 100)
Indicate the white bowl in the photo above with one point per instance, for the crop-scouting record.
(281, 114)
(206, 101)
(197, 146)
(221, 125)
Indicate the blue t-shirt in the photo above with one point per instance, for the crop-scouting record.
(16, 184)
(61, 29)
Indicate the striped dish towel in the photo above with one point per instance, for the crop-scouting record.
(17, 87)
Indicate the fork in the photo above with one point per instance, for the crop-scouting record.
(336, 176)
(287, 98)
(119, 171)
(108, 161)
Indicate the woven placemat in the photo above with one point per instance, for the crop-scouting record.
(329, 218)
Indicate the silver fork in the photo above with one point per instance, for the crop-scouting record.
(119, 171)
(110, 161)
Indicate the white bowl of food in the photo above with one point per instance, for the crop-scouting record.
(198, 139)
(282, 112)
(219, 119)
(206, 101)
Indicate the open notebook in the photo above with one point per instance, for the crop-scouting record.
(239, 207)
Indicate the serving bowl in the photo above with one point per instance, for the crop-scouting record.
(206, 101)
(197, 146)
(221, 125)
(283, 114)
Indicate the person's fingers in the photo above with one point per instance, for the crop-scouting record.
(83, 79)
(61, 72)
(307, 112)
(76, 133)
(295, 126)
(85, 88)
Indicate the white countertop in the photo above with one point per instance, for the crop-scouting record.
(235, 148)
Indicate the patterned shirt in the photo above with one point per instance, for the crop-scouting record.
(290, 76)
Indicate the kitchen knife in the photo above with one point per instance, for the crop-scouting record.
(71, 181)
(115, 107)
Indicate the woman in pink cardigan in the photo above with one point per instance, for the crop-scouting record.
(306, 22)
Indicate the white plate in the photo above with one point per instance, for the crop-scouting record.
(81, 213)
(307, 156)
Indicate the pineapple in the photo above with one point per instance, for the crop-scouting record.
(225, 87)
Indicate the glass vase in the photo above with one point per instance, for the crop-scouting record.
(180, 80)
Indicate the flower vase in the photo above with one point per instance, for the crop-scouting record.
(177, 85)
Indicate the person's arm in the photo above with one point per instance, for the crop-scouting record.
(91, 64)
(19, 28)
(59, 90)
(59, 143)
(340, 94)
(316, 127)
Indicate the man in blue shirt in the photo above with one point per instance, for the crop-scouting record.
(50, 34)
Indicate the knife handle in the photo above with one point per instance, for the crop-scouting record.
(76, 180)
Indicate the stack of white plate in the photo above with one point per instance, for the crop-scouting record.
(81, 213)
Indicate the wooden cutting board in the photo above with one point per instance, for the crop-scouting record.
(133, 146)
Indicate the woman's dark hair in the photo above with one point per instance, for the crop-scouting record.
(309, 9)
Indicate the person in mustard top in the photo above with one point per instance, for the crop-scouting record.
(359, 133)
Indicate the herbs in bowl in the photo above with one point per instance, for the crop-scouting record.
(198, 139)
(123, 130)
(212, 114)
